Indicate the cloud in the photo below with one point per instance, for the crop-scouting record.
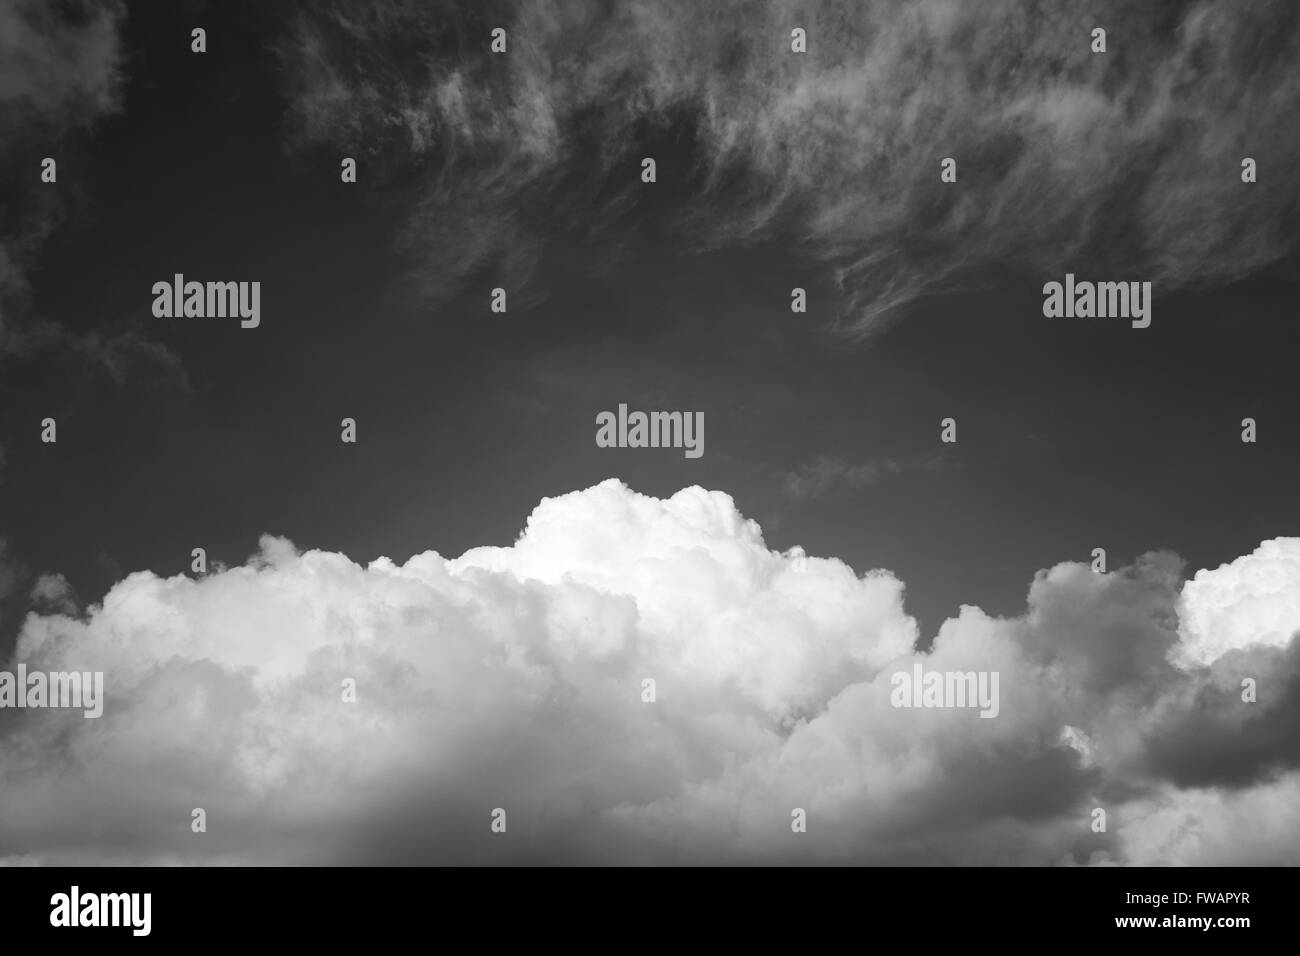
(60, 76)
(52, 592)
(59, 72)
(60, 63)
(13, 580)
(1212, 827)
(1254, 600)
(825, 474)
(513, 677)
(1122, 164)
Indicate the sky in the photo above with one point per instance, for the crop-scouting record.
(526, 577)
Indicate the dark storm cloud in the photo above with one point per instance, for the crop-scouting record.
(1113, 642)
(1204, 736)
(1126, 162)
(1119, 631)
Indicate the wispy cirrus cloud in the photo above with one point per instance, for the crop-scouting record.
(60, 70)
(1127, 161)
(61, 74)
(815, 479)
(829, 473)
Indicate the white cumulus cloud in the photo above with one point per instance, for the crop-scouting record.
(514, 678)
(1252, 600)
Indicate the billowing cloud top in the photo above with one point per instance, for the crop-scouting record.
(1255, 600)
(1127, 162)
(513, 678)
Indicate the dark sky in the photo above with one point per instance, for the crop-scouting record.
(515, 674)
(1073, 434)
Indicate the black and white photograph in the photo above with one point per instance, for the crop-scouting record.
(650, 434)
